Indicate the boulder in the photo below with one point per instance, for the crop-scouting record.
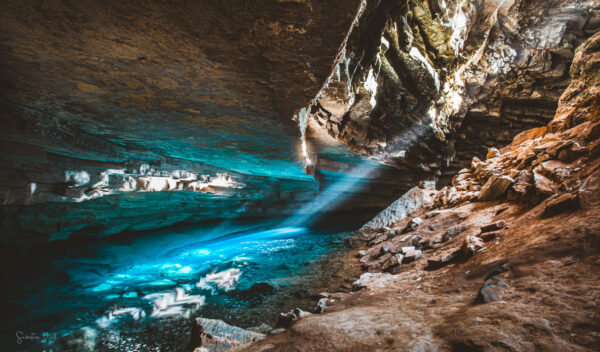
(287, 319)
(443, 259)
(471, 245)
(489, 236)
(500, 224)
(216, 335)
(393, 262)
(522, 186)
(559, 203)
(495, 187)
(571, 153)
(555, 170)
(411, 255)
(321, 305)
(414, 223)
(386, 248)
(544, 187)
(495, 285)
(400, 209)
(492, 289)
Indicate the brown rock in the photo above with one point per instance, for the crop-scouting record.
(444, 259)
(546, 147)
(529, 134)
(544, 187)
(522, 186)
(453, 231)
(216, 335)
(555, 170)
(559, 203)
(378, 239)
(411, 255)
(287, 319)
(437, 239)
(571, 153)
(495, 187)
(500, 224)
(393, 262)
(489, 236)
(471, 245)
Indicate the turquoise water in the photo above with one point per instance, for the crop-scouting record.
(141, 292)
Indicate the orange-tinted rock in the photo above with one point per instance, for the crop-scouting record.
(555, 170)
(529, 134)
(495, 187)
(544, 187)
(559, 203)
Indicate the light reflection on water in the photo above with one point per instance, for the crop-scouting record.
(166, 275)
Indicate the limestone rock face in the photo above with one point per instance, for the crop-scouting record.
(452, 78)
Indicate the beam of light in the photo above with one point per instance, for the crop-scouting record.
(332, 196)
(348, 185)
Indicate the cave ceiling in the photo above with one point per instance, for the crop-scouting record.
(215, 82)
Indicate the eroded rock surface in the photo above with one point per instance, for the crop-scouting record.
(516, 273)
(426, 85)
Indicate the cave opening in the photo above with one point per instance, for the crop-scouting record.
(299, 175)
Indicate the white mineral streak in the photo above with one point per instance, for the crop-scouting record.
(371, 87)
(147, 180)
(303, 123)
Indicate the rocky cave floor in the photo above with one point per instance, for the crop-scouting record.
(533, 287)
(493, 275)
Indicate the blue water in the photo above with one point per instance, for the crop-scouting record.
(140, 292)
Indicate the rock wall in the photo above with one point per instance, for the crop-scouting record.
(426, 85)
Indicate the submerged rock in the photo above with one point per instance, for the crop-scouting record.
(256, 290)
